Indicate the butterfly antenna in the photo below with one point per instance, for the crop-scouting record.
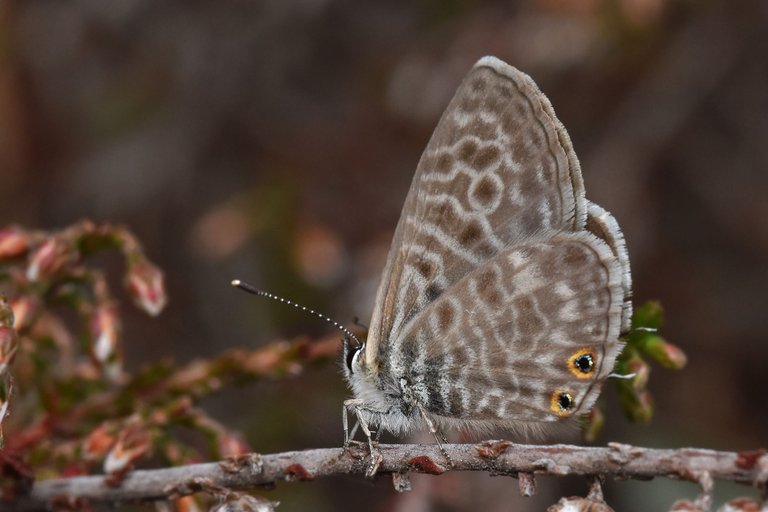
(622, 376)
(261, 293)
(643, 329)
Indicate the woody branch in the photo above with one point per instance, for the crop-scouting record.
(496, 457)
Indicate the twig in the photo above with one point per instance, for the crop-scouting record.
(495, 457)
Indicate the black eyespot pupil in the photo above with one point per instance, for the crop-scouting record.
(565, 401)
(584, 363)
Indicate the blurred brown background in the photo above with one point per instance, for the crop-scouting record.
(275, 141)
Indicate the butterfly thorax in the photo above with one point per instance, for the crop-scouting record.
(388, 404)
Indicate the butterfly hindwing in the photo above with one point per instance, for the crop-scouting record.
(536, 319)
(604, 226)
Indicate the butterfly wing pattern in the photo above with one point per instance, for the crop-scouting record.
(505, 291)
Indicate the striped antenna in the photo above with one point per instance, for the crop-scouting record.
(261, 293)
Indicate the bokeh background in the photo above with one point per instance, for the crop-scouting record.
(275, 141)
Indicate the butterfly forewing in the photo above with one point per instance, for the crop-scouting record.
(498, 169)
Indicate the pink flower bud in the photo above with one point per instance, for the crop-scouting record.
(667, 354)
(643, 410)
(241, 502)
(232, 445)
(675, 357)
(98, 443)
(48, 258)
(641, 370)
(594, 423)
(105, 340)
(6, 391)
(579, 504)
(132, 444)
(8, 346)
(6, 312)
(187, 504)
(685, 506)
(25, 308)
(145, 284)
(742, 505)
(13, 243)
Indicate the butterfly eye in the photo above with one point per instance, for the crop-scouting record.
(582, 363)
(350, 353)
(561, 403)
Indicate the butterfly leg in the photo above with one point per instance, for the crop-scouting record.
(353, 432)
(349, 435)
(437, 434)
(345, 424)
(409, 396)
(358, 406)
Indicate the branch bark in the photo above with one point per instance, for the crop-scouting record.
(496, 457)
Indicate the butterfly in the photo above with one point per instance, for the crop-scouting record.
(505, 291)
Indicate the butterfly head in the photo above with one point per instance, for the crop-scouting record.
(353, 353)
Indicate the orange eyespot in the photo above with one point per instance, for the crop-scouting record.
(582, 363)
(562, 402)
